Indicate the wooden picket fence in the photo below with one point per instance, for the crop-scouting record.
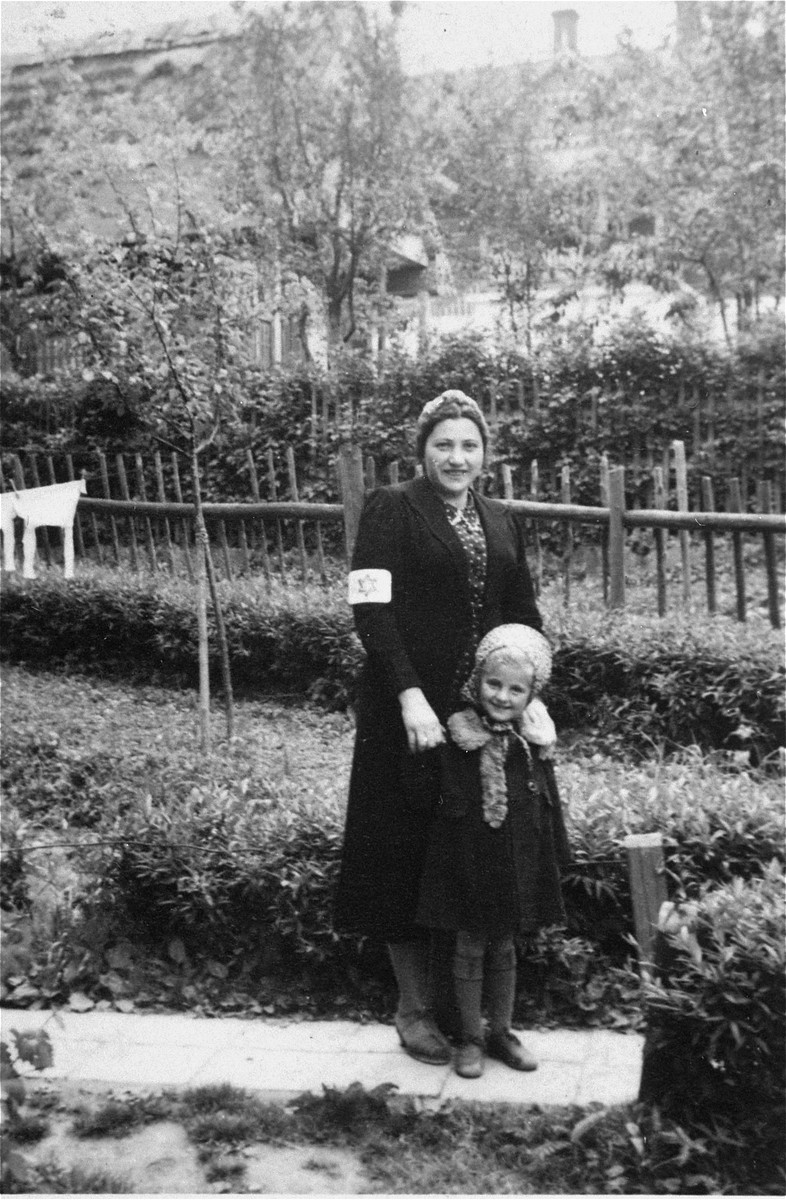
(143, 528)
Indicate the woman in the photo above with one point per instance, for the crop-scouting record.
(436, 566)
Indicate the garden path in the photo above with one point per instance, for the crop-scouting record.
(283, 1058)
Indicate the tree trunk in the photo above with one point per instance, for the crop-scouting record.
(204, 671)
(205, 567)
(223, 646)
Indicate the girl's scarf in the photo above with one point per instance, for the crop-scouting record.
(471, 730)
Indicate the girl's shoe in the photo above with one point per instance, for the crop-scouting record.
(422, 1040)
(469, 1060)
(506, 1047)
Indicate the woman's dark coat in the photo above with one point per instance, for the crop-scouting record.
(494, 881)
(417, 640)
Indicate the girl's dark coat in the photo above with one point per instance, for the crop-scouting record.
(417, 640)
(495, 881)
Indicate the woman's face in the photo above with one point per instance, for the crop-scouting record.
(453, 457)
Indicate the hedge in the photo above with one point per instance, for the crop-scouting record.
(637, 682)
(641, 386)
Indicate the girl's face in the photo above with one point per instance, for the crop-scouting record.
(505, 688)
(453, 456)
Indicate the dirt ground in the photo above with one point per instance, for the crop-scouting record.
(160, 1159)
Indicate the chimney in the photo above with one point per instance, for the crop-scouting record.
(565, 35)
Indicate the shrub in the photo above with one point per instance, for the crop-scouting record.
(637, 681)
(716, 684)
(235, 878)
(716, 825)
(280, 640)
(641, 387)
(716, 1041)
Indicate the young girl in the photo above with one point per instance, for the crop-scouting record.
(493, 861)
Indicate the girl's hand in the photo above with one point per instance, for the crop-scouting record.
(424, 731)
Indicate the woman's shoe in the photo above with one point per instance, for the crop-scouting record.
(422, 1040)
(469, 1060)
(507, 1048)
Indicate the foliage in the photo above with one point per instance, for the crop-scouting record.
(716, 1010)
(18, 1052)
(459, 1147)
(639, 681)
(326, 161)
(633, 389)
(703, 143)
(674, 683)
(208, 883)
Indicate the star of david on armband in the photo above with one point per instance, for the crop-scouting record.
(370, 586)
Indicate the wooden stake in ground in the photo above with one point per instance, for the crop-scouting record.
(202, 552)
(206, 565)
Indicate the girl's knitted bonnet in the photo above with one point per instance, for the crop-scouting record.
(472, 730)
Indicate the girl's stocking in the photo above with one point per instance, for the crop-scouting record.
(501, 983)
(468, 976)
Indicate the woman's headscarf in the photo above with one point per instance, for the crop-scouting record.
(448, 405)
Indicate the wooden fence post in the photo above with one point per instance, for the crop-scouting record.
(683, 505)
(647, 889)
(708, 504)
(352, 485)
(293, 490)
(125, 495)
(734, 504)
(770, 557)
(616, 537)
(162, 498)
(140, 483)
(660, 541)
(534, 490)
(186, 525)
(567, 554)
(254, 481)
(78, 535)
(273, 495)
(108, 495)
(604, 531)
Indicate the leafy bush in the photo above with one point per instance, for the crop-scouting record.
(716, 824)
(640, 386)
(280, 640)
(716, 1041)
(234, 880)
(39, 774)
(715, 684)
(639, 682)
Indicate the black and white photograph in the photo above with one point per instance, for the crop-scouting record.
(393, 499)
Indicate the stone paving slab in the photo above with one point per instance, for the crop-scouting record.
(285, 1057)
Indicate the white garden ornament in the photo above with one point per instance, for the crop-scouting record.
(52, 505)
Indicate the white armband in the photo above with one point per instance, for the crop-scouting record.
(370, 586)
